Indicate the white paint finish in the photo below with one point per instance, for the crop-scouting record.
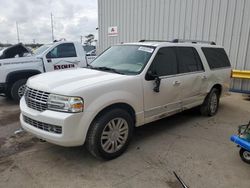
(41, 63)
(100, 89)
(224, 21)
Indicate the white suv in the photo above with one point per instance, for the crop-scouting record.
(127, 86)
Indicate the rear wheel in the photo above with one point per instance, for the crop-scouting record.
(211, 103)
(245, 155)
(17, 89)
(109, 134)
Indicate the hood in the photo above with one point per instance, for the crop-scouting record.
(66, 82)
(13, 51)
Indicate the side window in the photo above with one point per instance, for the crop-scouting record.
(188, 59)
(216, 57)
(165, 62)
(62, 51)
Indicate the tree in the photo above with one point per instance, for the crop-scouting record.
(89, 39)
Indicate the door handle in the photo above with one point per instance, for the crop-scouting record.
(204, 77)
(176, 83)
(49, 60)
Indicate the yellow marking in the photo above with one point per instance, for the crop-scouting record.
(241, 74)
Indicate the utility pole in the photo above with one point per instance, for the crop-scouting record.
(17, 32)
(52, 27)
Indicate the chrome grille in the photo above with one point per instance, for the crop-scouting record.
(36, 99)
(43, 126)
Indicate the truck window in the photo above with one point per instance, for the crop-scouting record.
(165, 62)
(216, 57)
(63, 50)
(188, 60)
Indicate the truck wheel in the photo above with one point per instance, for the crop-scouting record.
(245, 155)
(109, 135)
(17, 89)
(211, 103)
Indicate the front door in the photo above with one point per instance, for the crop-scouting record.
(168, 100)
(63, 56)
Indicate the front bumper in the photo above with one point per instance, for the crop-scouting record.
(72, 133)
(2, 87)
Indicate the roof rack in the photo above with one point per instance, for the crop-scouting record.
(193, 41)
(145, 40)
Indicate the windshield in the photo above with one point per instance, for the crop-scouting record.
(127, 59)
(41, 49)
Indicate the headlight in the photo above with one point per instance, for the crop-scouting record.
(65, 104)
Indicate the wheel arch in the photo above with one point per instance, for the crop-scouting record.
(20, 74)
(219, 87)
(120, 105)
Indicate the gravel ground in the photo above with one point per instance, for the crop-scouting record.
(196, 147)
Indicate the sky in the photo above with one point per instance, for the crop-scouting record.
(71, 19)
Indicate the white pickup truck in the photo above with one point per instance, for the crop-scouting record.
(128, 85)
(15, 71)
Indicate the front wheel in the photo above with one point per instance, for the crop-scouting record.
(245, 155)
(109, 135)
(17, 89)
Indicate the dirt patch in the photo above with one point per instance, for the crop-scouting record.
(8, 117)
(5, 164)
(174, 184)
(2, 141)
(16, 144)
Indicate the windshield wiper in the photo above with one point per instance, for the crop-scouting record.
(106, 69)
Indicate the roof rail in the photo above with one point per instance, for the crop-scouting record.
(145, 40)
(193, 41)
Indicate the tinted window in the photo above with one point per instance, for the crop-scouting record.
(188, 60)
(63, 50)
(165, 62)
(216, 57)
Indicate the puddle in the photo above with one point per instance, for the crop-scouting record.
(8, 117)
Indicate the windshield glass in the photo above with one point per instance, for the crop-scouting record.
(127, 59)
(41, 49)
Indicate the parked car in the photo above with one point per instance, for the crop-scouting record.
(14, 71)
(91, 55)
(127, 86)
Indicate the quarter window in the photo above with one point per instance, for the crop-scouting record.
(216, 57)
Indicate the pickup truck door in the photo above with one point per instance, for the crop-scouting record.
(62, 56)
(168, 100)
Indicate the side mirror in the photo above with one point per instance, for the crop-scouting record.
(151, 75)
(157, 80)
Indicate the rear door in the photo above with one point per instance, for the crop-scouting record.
(62, 56)
(191, 75)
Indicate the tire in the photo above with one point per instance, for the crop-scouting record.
(210, 105)
(8, 93)
(245, 155)
(102, 141)
(17, 89)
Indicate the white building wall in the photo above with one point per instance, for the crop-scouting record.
(227, 22)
